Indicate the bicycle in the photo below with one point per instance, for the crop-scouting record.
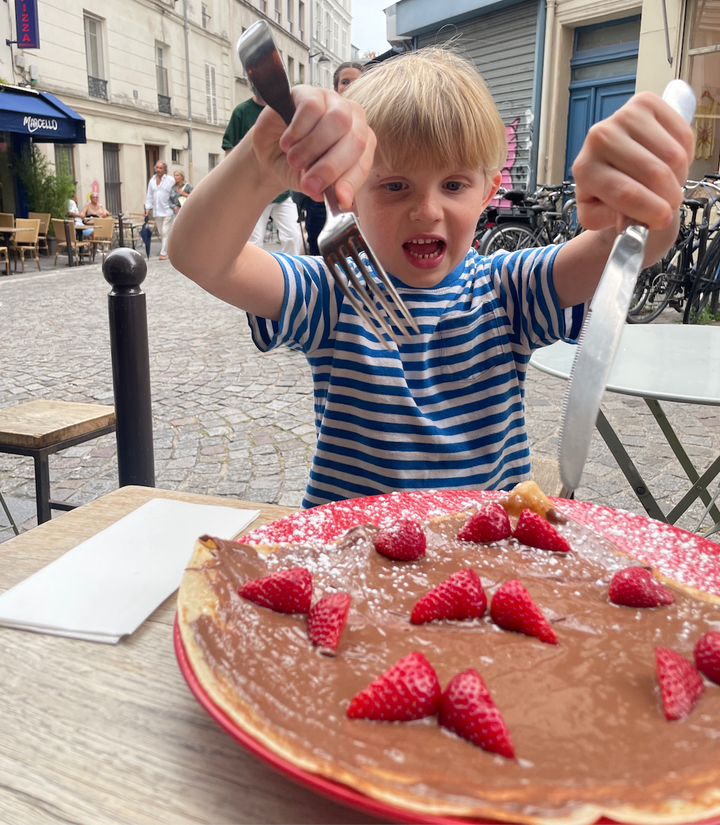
(669, 281)
(706, 286)
(544, 223)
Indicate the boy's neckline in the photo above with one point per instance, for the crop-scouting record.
(451, 278)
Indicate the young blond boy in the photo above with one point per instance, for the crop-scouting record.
(446, 409)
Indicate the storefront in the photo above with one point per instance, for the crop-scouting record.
(702, 57)
(28, 116)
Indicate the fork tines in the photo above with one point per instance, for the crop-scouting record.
(368, 292)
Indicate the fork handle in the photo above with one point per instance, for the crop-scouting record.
(267, 74)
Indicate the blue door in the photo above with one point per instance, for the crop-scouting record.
(588, 105)
(602, 77)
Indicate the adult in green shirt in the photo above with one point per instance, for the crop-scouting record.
(283, 209)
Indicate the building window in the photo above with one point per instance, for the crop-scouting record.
(301, 72)
(161, 73)
(211, 94)
(289, 20)
(97, 85)
(64, 159)
(278, 13)
(336, 38)
(213, 161)
(175, 155)
(318, 22)
(113, 184)
(205, 16)
(327, 30)
(262, 5)
(301, 20)
(291, 70)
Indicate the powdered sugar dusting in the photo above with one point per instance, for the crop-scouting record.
(683, 556)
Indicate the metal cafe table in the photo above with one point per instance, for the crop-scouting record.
(657, 363)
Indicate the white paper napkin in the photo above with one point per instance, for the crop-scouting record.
(107, 586)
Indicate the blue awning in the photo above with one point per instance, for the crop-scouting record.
(39, 115)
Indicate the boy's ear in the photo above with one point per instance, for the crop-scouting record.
(492, 189)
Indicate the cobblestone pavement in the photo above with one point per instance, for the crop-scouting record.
(230, 421)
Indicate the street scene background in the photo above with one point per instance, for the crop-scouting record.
(231, 421)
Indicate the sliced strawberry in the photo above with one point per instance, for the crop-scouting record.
(459, 596)
(680, 684)
(637, 587)
(404, 540)
(326, 620)
(512, 608)
(490, 523)
(408, 690)
(534, 531)
(466, 708)
(707, 655)
(285, 591)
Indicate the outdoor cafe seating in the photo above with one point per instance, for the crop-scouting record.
(44, 218)
(25, 241)
(79, 247)
(103, 229)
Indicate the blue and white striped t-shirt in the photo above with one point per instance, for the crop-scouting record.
(445, 411)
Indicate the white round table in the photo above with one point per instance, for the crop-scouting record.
(659, 362)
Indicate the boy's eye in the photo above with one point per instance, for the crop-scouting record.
(454, 185)
(394, 186)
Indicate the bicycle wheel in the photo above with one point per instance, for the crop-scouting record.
(642, 289)
(706, 284)
(569, 216)
(507, 236)
(660, 286)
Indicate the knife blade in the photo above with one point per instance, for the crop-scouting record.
(600, 336)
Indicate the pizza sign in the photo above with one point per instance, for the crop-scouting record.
(26, 22)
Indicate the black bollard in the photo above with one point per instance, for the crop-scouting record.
(121, 237)
(124, 269)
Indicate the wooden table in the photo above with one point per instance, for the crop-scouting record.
(95, 733)
(43, 427)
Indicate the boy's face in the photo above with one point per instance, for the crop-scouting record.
(421, 223)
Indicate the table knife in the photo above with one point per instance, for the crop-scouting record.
(598, 341)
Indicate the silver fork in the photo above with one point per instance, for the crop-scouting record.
(341, 237)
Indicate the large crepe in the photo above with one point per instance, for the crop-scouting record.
(585, 715)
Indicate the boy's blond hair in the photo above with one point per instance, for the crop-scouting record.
(430, 108)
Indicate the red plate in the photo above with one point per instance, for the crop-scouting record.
(683, 556)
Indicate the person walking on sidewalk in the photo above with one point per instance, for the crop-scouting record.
(282, 210)
(158, 199)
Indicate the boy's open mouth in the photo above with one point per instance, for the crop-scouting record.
(424, 251)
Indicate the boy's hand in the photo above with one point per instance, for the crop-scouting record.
(633, 165)
(328, 142)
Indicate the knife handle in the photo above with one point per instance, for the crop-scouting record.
(681, 97)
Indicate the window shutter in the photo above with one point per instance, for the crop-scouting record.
(210, 94)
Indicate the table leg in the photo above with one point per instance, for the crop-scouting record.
(700, 483)
(42, 487)
(629, 470)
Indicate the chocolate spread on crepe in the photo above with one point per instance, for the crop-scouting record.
(585, 716)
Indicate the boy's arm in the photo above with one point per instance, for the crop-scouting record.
(328, 142)
(631, 166)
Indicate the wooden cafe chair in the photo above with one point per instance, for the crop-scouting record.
(5, 258)
(44, 218)
(102, 237)
(7, 219)
(26, 242)
(82, 247)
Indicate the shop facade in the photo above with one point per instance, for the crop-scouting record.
(30, 117)
(555, 67)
